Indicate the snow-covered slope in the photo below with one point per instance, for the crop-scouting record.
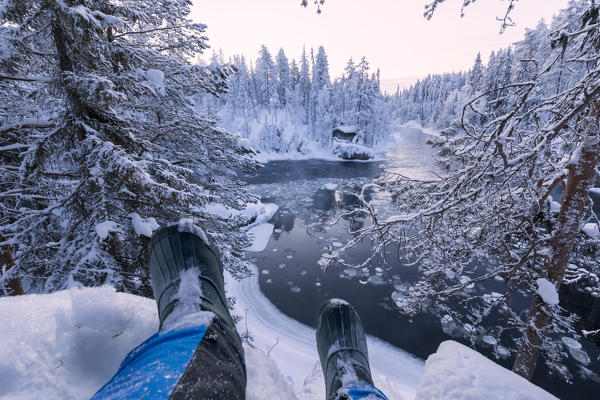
(456, 372)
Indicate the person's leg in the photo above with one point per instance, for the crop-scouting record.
(342, 347)
(197, 353)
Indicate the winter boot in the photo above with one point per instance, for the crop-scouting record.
(175, 249)
(342, 347)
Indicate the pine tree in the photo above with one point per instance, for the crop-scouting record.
(100, 141)
(284, 78)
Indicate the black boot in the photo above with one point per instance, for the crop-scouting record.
(342, 347)
(172, 252)
(217, 368)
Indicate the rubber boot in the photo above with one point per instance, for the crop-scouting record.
(342, 347)
(172, 252)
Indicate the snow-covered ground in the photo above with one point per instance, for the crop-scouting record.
(66, 345)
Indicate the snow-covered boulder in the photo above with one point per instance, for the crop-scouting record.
(351, 151)
(456, 372)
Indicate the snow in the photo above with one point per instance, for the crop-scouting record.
(143, 226)
(260, 237)
(82, 334)
(416, 125)
(331, 186)
(351, 151)
(591, 229)
(106, 227)
(547, 291)
(456, 372)
(187, 225)
(187, 313)
(156, 76)
(51, 341)
(395, 371)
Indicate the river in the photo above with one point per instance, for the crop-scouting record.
(312, 194)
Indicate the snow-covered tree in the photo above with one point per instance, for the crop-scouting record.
(100, 141)
(488, 213)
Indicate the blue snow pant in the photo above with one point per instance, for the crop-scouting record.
(195, 363)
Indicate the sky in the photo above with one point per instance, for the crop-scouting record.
(392, 34)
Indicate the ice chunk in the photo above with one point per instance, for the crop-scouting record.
(571, 343)
(295, 289)
(261, 235)
(580, 356)
(489, 340)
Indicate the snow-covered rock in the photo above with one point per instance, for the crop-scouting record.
(351, 151)
(456, 372)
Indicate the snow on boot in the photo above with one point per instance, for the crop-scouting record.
(183, 250)
(342, 347)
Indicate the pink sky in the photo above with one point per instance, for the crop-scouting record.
(392, 34)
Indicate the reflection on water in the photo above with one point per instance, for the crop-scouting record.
(313, 195)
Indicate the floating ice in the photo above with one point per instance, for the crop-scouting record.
(295, 289)
(265, 272)
(376, 280)
(580, 356)
(489, 340)
(571, 343)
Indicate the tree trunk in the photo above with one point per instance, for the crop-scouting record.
(7, 262)
(575, 196)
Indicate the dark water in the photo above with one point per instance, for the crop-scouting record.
(312, 194)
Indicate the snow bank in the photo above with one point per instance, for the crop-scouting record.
(66, 345)
(456, 372)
